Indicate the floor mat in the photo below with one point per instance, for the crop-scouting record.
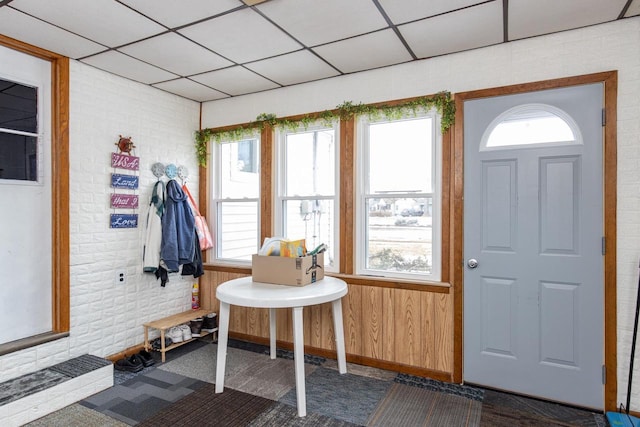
(205, 408)
(76, 415)
(250, 372)
(414, 406)
(347, 397)
(501, 409)
(283, 415)
(142, 396)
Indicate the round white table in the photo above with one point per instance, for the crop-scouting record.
(247, 293)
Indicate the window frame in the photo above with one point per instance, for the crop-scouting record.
(215, 199)
(362, 196)
(38, 135)
(279, 199)
(519, 109)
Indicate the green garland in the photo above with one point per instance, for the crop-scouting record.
(441, 101)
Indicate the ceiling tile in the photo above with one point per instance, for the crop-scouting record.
(456, 31)
(410, 10)
(529, 18)
(292, 68)
(173, 13)
(176, 54)
(191, 90)
(33, 31)
(634, 9)
(235, 81)
(125, 66)
(241, 36)
(353, 54)
(314, 22)
(103, 21)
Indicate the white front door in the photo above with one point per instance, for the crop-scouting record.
(533, 227)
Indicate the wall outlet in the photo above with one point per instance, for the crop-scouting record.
(121, 277)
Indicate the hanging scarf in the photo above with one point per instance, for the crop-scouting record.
(151, 253)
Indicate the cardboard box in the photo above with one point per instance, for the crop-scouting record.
(299, 271)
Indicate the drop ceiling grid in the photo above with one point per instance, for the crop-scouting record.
(527, 18)
(174, 53)
(174, 13)
(103, 21)
(30, 30)
(235, 81)
(215, 49)
(314, 22)
(293, 68)
(241, 36)
(457, 31)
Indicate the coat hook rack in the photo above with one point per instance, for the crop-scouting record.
(170, 170)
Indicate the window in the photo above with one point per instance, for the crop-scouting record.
(307, 201)
(18, 131)
(530, 125)
(236, 186)
(398, 210)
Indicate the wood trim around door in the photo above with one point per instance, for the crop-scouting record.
(59, 184)
(610, 81)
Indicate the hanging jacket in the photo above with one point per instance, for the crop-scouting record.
(194, 268)
(153, 240)
(178, 228)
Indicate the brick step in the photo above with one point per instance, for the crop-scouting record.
(34, 395)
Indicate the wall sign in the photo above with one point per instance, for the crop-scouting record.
(125, 161)
(129, 201)
(124, 220)
(129, 182)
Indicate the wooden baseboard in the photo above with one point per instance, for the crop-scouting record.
(126, 353)
(329, 354)
(352, 358)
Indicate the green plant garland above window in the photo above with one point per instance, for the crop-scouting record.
(441, 101)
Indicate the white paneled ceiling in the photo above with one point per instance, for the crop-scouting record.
(212, 49)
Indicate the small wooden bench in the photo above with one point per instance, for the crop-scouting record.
(168, 322)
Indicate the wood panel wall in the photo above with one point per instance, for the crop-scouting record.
(407, 330)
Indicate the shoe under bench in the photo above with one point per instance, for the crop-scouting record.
(170, 321)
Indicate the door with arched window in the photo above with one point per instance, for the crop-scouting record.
(533, 227)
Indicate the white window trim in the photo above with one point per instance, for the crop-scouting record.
(215, 181)
(361, 224)
(281, 173)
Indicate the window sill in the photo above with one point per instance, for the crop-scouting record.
(386, 282)
(382, 282)
(33, 341)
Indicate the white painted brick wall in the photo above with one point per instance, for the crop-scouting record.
(107, 318)
(613, 46)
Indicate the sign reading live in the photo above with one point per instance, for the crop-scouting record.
(129, 201)
(125, 161)
(129, 182)
(124, 220)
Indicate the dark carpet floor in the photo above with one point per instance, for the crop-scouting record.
(261, 392)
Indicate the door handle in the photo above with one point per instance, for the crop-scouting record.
(472, 263)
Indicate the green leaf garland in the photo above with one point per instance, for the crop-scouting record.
(441, 101)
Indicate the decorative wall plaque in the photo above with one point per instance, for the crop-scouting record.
(129, 182)
(128, 201)
(124, 161)
(124, 220)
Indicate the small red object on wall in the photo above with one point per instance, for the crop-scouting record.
(125, 145)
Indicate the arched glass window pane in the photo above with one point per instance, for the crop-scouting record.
(532, 124)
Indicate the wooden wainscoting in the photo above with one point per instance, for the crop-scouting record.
(408, 328)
